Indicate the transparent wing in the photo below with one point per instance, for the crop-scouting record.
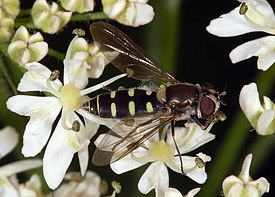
(122, 139)
(125, 54)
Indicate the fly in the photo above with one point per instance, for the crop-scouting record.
(142, 112)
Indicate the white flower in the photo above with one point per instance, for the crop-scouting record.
(250, 16)
(172, 192)
(162, 153)
(261, 117)
(87, 186)
(77, 186)
(9, 185)
(79, 6)
(87, 58)
(6, 30)
(9, 9)
(43, 111)
(48, 17)
(129, 12)
(25, 48)
(243, 185)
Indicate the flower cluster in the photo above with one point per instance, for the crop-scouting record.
(250, 16)
(43, 111)
(161, 153)
(50, 18)
(60, 128)
(9, 182)
(243, 185)
(8, 12)
(261, 117)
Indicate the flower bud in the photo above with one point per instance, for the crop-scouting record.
(49, 18)
(25, 48)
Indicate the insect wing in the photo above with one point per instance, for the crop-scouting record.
(125, 54)
(122, 139)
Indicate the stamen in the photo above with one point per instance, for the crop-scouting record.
(54, 75)
(79, 32)
(117, 187)
(101, 85)
(243, 9)
(63, 120)
(76, 126)
(51, 88)
(199, 162)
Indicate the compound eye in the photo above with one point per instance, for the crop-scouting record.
(207, 107)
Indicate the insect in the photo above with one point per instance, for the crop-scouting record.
(142, 112)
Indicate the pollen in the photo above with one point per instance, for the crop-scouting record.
(70, 97)
(161, 151)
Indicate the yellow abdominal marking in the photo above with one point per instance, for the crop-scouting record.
(149, 107)
(113, 94)
(161, 151)
(149, 92)
(131, 92)
(131, 107)
(70, 97)
(113, 109)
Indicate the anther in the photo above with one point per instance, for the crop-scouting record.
(79, 32)
(54, 75)
(243, 9)
(199, 162)
(117, 187)
(76, 126)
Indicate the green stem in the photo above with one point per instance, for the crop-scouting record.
(24, 13)
(7, 76)
(56, 54)
(89, 16)
(24, 22)
(164, 29)
(27, 22)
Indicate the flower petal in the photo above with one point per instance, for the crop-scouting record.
(60, 149)
(260, 14)
(7, 189)
(83, 156)
(125, 164)
(190, 137)
(190, 167)
(261, 184)
(136, 14)
(267, 118)
(8, 140)
(172, 192)
(230, 24)
(43, 112)
(74, 71)
(250, 103)
(263, 48)
(155, 177)
(35, 79)
(20, 166)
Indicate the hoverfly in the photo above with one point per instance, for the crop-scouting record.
(142, 112)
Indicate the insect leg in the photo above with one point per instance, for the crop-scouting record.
(177, 148)
(195, 120)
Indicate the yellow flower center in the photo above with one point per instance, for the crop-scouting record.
(161, 151)
(70, 97)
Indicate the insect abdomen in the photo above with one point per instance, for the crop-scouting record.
(124, 103)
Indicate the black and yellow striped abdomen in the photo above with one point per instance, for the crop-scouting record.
(125, 103)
